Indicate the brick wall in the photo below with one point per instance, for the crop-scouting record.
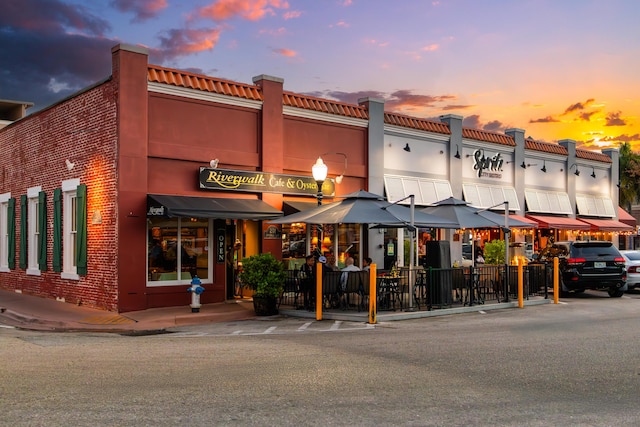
(33, 153)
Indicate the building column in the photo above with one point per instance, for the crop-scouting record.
(570, 145)
(455, 146)
(129, 73)
(518, 158)
(272, 140)
(375, 172)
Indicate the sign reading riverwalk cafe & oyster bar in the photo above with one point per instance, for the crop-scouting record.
(263, 182)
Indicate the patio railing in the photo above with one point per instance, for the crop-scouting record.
(432, 288)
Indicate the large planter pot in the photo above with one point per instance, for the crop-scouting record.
(265, 306)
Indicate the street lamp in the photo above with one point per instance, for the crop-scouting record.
(319, 171)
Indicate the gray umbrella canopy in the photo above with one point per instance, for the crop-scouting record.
(466, 216)
(363, 207)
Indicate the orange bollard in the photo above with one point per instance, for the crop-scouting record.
(373, 297)
(318, 291)
(520, 286)
(556, 276)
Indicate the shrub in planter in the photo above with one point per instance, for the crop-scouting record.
(265, 276)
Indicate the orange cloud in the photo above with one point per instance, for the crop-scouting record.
(286, 52)
(251, 10)
(431, 48)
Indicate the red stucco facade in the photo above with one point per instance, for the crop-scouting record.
(128, 141)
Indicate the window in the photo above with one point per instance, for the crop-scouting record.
(33, 230)
(70, 229)
(4, 231)
(178, 250)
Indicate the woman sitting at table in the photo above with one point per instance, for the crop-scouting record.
(479, 259)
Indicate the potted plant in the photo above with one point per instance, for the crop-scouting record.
(265, 276)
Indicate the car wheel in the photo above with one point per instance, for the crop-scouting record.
(615, 293)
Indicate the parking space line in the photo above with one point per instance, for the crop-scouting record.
(304, 327)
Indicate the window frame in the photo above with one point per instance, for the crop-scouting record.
(33, 232)
(4, 232)
(69, 229)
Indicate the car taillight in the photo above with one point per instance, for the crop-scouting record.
(633, 269)
(619, 260)
(576, 261)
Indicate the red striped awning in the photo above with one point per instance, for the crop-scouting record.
(545, 221)
(626, 218)
(606, 225)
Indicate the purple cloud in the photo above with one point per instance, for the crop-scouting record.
(142, 9)
(613, 119)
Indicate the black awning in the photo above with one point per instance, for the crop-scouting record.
(207, 207)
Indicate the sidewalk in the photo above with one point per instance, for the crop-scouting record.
(45, 314)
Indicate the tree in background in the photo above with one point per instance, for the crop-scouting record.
(629, 176)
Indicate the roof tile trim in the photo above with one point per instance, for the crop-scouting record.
(592, 155)
(296, 100)
(483, 135)
(546, 147)
(412, 122)
(200, 82)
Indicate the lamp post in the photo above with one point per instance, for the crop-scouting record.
(319, 171)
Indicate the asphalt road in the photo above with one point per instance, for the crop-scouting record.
(575, 363)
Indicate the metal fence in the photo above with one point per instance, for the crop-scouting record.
(431, 288)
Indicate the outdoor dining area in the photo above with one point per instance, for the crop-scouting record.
(412, 287)
(416, 289)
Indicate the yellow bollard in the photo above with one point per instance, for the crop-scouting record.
(556, 276)
(520, 286)
(373, 297)
(318, 291)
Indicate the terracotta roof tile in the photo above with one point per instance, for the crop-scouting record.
(415, 123)
(200, 82)
(546, 147)
(296, 100)
(483, 135)
(592, 155)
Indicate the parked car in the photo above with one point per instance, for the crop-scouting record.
(588, 265)
(632, 262)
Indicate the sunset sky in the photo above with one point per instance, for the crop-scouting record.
(557, 68)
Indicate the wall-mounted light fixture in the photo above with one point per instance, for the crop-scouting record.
(544, 166)
(407, 148)
(593, 172)
(69, 164)
(457, 155)
(577, 172)
(523, 165)
(214, 163)
(96, 218)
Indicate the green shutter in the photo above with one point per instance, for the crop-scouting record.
(57, 230)
(81, 230)
(42, 230)
(11, 229)
(23, 232)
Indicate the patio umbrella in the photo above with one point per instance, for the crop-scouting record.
(466, 216)
(363, 207)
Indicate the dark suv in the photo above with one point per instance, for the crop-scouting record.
(588, 265)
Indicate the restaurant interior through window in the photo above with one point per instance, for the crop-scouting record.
(178, 249)
(300, 240)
